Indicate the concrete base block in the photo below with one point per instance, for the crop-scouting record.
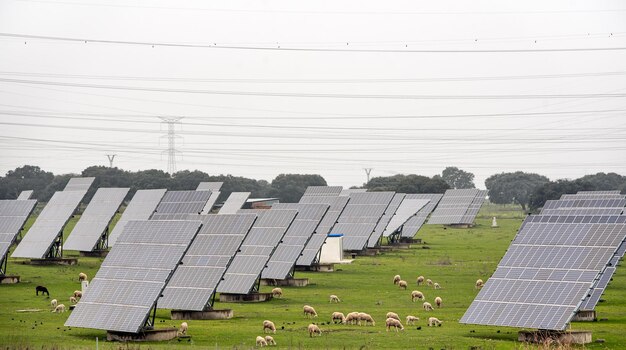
(9, 279)
(147, 335)
(202, 315)
(406, 244)
(370, 252)
(55, 261)
(585, 316)
(289, 282)
(95, 254)
(317, 268)
(460, 225)
(565, 337)
(245, 298)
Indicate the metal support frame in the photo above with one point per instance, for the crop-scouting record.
(56, 250)
(257, 286)
(292, 272)
(3, 265)
(103, 241)
(150, 320)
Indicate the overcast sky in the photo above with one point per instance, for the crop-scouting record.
(324, 87)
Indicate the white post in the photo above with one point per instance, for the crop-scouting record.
(494, 223)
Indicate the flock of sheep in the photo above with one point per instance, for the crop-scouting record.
(74, 298)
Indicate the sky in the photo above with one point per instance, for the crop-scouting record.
(261, 88)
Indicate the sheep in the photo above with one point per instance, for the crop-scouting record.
(366, 318)
(59, 308)
(396, 279)
(436, 285)
(53, 303)
(78, 294)
(429, 282)
(392, 315)
(73, 300)
(416, 294)
(410, 319)
(427, 306)
(420, 280)
(433, 321)
(334, 298)
(269, 325)
(82, 277)
(260, 341)
(183, 328)
(314, 329)
(277, 293)
(270, 340)
(309, 311)
(41, 289)
(392, 322)
(402, 285)
(438, 301)
(338, 316)
(352, 318)
(479, 283)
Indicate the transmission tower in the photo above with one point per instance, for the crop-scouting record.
(111, 157)
(368, 171)
(171, 142)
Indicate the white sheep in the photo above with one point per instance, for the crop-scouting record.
(392, 322)
(352, 318)
(417, 295)
(334, 298)
(59, 308)
(396, 279)
(309, 311)
(82, 277)
(402, 284)
(438, 301)
(420, 280)
(73, 300)
(338, 316)
(427, 306)
(479, 283)
(392, 315)
(78, 294)
(366, 318)
(277, 292)
(436, 285)
(183, 328)
(429, 282)
(269, 325)
(314, 329)
(270, 340)
(260, 341)
(433, 321)
(410, 319)
(53, 303)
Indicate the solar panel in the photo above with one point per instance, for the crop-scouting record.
(235, 201)
(193, 284)
(332, 191)
(610, 206)
(474, 208)
(13, 216)
(384, 220)
(255, 251)
(348, 191)
(547, 271)
(311, 251)
(414, 223)
(141, 207)
(408, 208)
(210, 186)
(594, 295)
(458, 206)
(92, 228)
(181, 202)
(360, 217)
(133, 276)
(43, 236)
(79, 184)
(284, 258)
(594, 195)
(24, 195)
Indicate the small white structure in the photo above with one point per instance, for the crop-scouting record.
(84, 285)
(494, 223)
(332, 250)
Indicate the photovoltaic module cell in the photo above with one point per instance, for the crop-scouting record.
(414, 223)
(193, 284)
(13, 216)
(547, 271)
(235, 201)
(181, 202)
(384, 220)
(141, 207)
(133, 276)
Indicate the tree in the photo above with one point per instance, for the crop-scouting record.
(28, 177)
(107, 177)
(457, 178)
(554, 190)
(186, 180)
(514, 187)
(407, 184)
(289, 188)
(606, 182)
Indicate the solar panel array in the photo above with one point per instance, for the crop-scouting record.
(79, 184)
(458, 206)
(547, 271)
(256, 250)
(180, 202)
(209, 186)
(384, 220)
(360, 217)
(314, 245)
(133, 275)
(613, 206)
(193, 284)
(234, 202)
(95, 219)
(594, 195)
(348, 191)
(141, 207)
(13, 216)
(408, 208)
(413, 224)
(317, 191)
(24, 195)
(284, 258)
(49, 225)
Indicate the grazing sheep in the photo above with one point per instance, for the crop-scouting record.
(309, 311)
(396, 279)
(78, 294)
(479, 283)
(402, 285)
(392, 322)
(314, 329)
(410, 320)
(41, 289)
(59, 308)
(420, 280)
(416, 294)
(82, 277)
(433, 321)
(366, 318)
(438, 301)
(260, 341)
(270, 340)
(53, 303)
(427, 306)
(183, 328)
(392, 315)
(334, 298)
(269, 325)
(436, 285)
(429, 282)
(277, 293)
(73, 300)
(352, 318)
(338, 316)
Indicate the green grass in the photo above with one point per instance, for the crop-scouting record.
(455, 259)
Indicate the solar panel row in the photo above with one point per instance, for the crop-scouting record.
(13, 216)
(79, 184)
(458, 206)
(24, 195)
(141, 207)
(408, 209)
(181, 202)
(390, 212)
(234, 202)
(413, 224)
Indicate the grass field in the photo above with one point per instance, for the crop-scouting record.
(455, 258)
